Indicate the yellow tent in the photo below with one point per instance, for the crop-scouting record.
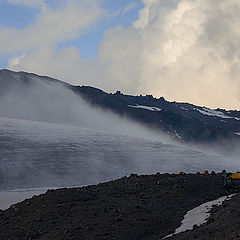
(181, 173)
(235, 175)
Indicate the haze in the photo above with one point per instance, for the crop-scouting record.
(51, 137)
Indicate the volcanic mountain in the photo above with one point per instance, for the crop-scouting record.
(53, 134)
(182, 121)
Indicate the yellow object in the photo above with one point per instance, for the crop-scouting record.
(235, 175)
(181, 173)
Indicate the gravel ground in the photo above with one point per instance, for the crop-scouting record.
(146, 207)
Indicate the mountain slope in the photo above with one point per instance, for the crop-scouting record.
(131, 208)
(36, 154)
(183, 121)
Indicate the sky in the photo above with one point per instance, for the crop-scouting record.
(184, 50)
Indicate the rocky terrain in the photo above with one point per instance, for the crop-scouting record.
(183, 121)
(146, 207)
(224, 223)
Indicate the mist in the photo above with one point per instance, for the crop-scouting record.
(45, 100)
(50, 137)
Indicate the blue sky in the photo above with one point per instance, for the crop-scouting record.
(88, 43)
(19, 16)
(15, 15)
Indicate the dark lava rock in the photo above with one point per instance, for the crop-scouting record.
(130, 208)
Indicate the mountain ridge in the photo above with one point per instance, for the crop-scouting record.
(185, 122)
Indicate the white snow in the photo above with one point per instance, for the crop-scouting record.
(153, 109)
(214, 113)
(185, 109)
(237, 134)
(177, 135)
(199, 215)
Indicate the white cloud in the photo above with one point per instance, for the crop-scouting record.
(28, 3)
(16, 60)
(129, 7)
(185, 50)
(53, 25)
(36, 4)
(48, 61)
(144, 14)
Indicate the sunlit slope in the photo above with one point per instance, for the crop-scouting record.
(36, 154)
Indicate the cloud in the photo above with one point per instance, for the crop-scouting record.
(39, 5)
(103, 72)
(184, 50)
(129, 7)
(29, 3)
(49, 61)
(144, 14)
(53, 25)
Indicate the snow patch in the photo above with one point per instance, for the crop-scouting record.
(199, 215)
(214, 113)
(153, 109)
(237, 134)
(185, 109)
(178, 136)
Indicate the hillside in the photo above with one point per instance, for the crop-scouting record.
(146, 207)
(182, 121)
